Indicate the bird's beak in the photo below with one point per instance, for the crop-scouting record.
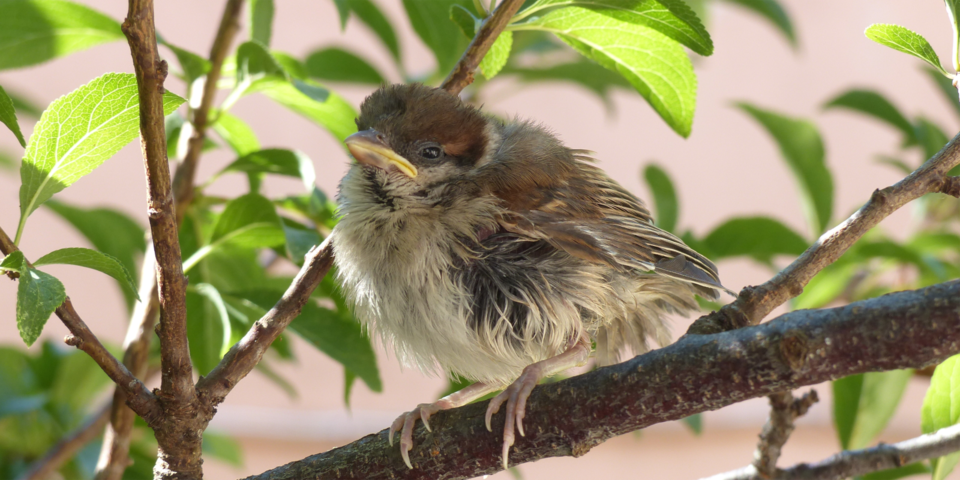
(369, 149)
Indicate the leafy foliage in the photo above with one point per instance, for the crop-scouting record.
(906, 41)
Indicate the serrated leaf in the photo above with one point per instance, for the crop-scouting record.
(335, 114)
(15, 262)
(38, 295)
(802, 148)
(338, 65)
(261, 20)
(290, 163)
(77, 133)
(368, 13)
(772, 11)
(236, 133)
(672, 18)
(906, 41)
(431, 22)
(85, 257)
(875, 105)
(653, 63)
(758, 237)
(34, 31)
(8, 116)
(941, 409)
(497, 56)
(864, 404)
(664, 197)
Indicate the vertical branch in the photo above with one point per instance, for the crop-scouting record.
(462, 74)
(184, 179)
(784, 409)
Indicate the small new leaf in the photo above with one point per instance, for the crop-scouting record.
(85, 257)
(906, 41)
(497, 56)
(38, 295)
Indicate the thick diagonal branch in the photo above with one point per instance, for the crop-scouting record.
(854, 463)
(698, 373)
(755, 303)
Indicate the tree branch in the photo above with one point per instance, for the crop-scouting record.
(141, 400)
(183, 181)
(246, 354)
(755, 303)
(784, 409)
(908, 329)
(462, 74)
(67, 447)
(854, 463)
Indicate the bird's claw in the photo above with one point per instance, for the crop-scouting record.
(515, 397)
(405, 423)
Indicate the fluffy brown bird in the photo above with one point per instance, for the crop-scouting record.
(489, 250)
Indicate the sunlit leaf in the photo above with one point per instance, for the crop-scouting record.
(802, 148)
(8, 116)
(338, 65)
(497, 56)
(772, 11)
(906, 41)
(664, 197)
(15, 262)
(35, 31)
(656, 65)
(77, 133)
(38, 295)
(84, 257)
(757, 237)
(941, 409)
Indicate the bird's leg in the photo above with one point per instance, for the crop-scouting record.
(425, 410)
(516, 394)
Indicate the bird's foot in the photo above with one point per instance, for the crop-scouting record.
(516, 398)
(405, 423)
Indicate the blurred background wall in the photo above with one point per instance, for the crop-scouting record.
(728, 166)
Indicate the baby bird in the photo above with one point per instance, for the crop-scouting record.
(488, 249)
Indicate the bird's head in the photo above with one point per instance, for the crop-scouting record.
(417, 136)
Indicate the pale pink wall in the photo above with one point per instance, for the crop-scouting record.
(728, 167)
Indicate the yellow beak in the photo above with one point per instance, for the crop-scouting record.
(369, 149)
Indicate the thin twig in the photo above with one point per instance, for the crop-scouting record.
(140, 399)
(67, 447)
(907, 329)
(784, 409)
(245, 355)
(183, 181)
(755, 303)
(853, 463)
(462, 74)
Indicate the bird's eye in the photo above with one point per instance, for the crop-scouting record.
(431, 153)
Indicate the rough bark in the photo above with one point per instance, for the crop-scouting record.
(784, 409)
(909, 329)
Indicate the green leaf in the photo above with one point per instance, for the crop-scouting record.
(802, 148)
(299, 240)
(335, 114)
(236, 133)
(653, 63)
(25, 105)
(944, 85)
(109, 231)
(931, 137)
(584, 73)
(465, 20)
(338, 65)
(431, 22)
(898, 473)
(34, 31)
(290, 163)
(8, 115)
(343, 10)
(941, 409)
(208, 326)
(349, 378)
(368, 13)
(664, 197)
(906, 41)
(290, 64)
(758, 237)
(672, 18)
(14, 262)
(695, 423)
(864, 404)
(194, 66)
(261, 20)
(497, 56)
(248, 221)
(255, 62)
(38, 295)
(340, 338)
(772, 11)
(84, 257)
(77, 133)
(896, 163)
(223, 448)
(872, 103)
(827, 285)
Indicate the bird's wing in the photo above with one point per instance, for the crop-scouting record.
(590, 216)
